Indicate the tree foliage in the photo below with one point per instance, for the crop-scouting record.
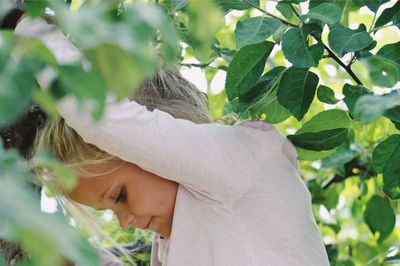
(326, 72)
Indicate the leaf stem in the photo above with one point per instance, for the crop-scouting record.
(351, 60)
(295, 11)
(382, 27)
(372, 23)
(269, 14)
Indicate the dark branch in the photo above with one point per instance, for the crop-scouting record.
(330, 53)
(347, 68)
(196, 65)
(352, 168)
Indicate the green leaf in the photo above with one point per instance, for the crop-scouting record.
(326, 95)
(36, 8)
(46, 101)
(393, 114)
(314, 3)
(388, 14)
(261, 98)
(380, 217)
(296, 49)
(277, 36)
(85, 85)
(386, 156)
(177, 4)
(262, 87)
(343, 40)
(17, 83)
(29, 226)
(285, 9)
(326, 120)
(309, 155)
(391, 52)
(134, 32)
(352, 93)
(386, 160)
(374, 5)
(370, 107)
(296, 90)
(391, 185)
(2, 262)
(255, 30)
(358, 3)
(384, 67)
(392, 260)
(396, 19)
(65, 176)
(319, 141)
(381, 71)
(243, 73)
(327, 13)
(269, 105)
(5, 7)
(204, 21)
(296, 1)
(120, 72)
(337, 159)
(237, 4)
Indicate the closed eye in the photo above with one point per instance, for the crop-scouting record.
(122, 195)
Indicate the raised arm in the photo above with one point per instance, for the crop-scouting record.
(220, 161)
(216, 160)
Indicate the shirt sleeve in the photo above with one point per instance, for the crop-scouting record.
(218, 161)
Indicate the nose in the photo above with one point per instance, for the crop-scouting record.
(125, 219)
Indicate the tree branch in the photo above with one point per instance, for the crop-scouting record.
(204, 65)
(352, 168)
(347, 68)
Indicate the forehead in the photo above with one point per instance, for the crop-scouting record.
(89, 190)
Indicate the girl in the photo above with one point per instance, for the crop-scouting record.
(213, 194)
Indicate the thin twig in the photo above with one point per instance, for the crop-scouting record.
(347, 68)
(295, 11)
(381, 255)
(382, 27)
(372, 23)
(269, 14)
(351, 60)
(204, 65)
(351, 169)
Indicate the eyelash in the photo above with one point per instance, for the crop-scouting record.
(121, 197)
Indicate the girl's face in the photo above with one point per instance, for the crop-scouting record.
(138, 198)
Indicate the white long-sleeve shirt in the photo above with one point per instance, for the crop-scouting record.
(240, 200)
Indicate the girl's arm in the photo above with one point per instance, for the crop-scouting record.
(219, 161)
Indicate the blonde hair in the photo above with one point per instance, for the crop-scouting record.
(167, 91)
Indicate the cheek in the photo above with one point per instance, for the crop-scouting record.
(79, 196)
(142, 205)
